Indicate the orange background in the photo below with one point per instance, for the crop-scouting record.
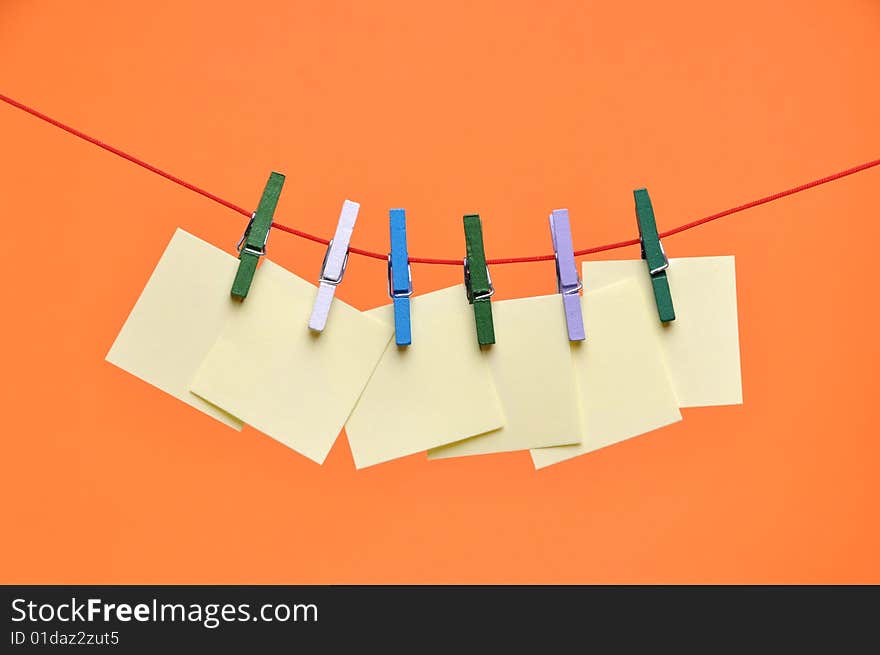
(463, 107)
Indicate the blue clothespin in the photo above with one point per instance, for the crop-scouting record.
(400, 278)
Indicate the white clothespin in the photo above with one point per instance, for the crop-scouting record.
(334, 265)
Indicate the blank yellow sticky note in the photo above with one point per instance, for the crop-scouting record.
(532, 368)
(295, 385)
(702, 343)
(622, 379)
(177, 318)
(434, 392)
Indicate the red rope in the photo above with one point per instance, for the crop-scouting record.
(431, 260)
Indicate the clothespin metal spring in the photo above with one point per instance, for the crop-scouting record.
(399, 294)
(571, 290)
(472, 297)
(323, 277)
(241, 245)
(664, 265)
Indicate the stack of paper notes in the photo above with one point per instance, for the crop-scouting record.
(256, 362)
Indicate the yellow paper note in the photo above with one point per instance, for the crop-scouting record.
(177, 319)
(702, 343)
(434, 392)
(295, 385)
(532, 368)
(622, 378)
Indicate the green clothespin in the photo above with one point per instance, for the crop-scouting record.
(654, 255)
(477, 282)
(252, 244)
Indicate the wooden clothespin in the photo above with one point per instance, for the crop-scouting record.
(252, 244)
(333, 268)
(568, 283)
(477, 281)
(654, 254)
(400, 278)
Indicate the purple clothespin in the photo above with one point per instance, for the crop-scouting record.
(567, 281)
